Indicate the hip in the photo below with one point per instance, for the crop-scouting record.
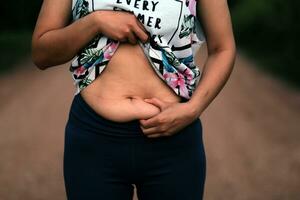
(85, 120)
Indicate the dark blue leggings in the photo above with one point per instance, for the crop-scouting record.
(103, 159)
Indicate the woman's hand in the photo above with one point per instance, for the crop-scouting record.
(121, 26)
(172, 118)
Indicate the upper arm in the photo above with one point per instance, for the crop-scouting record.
(216, 21)
(54, 14)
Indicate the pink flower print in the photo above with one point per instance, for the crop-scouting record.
(109, 51)
(188, 73)
(171, 79)
(192, 7)
(180, 80)
(182, 86)
(184, 92)
(80, 70)
(176, 81)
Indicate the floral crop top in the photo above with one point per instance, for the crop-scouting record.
(175, 34)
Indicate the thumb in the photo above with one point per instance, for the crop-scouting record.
(157, 102)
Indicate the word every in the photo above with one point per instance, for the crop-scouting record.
(136, 3)
(143, 5)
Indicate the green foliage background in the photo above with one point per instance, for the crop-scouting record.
(17, 22)
(266, 30)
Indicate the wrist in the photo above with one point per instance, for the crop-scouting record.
(98, 20)
(193, 109)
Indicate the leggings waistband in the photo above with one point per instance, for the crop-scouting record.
(83, 116)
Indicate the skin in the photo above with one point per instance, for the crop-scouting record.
(55, 42)
(215, 17)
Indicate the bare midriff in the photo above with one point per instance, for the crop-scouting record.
(117, 93)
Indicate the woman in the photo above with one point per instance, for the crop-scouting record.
(136, 122)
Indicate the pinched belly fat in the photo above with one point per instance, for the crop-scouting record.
(118, 92)
(123, 109)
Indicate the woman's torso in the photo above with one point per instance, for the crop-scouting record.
(117, 94)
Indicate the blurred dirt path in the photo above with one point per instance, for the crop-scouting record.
(251, 132)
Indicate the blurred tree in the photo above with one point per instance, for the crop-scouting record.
(232, 3)
(19, 14)
(269, 30)
(17, 22)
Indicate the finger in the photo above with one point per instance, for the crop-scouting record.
(152, 130)
(131, 37)
(156, 135)
(143, 122)
(148, 123)
(157, 102)
(140, 31)
(141, 25)
(123, 40)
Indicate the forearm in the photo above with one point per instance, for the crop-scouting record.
(61, 45)
(215, 74)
